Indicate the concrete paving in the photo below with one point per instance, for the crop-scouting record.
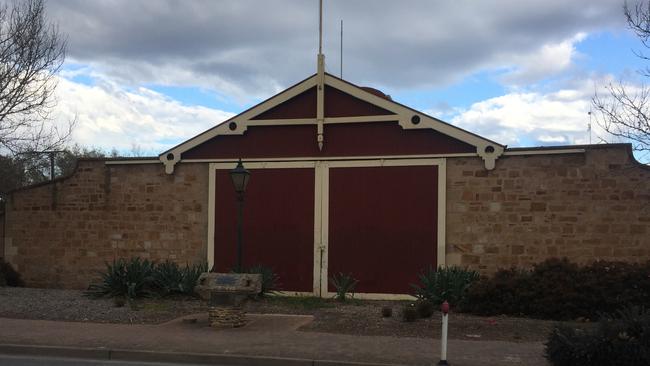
(266, 340)
(58, 361)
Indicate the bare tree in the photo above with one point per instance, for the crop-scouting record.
(31, 53)
(624, 112)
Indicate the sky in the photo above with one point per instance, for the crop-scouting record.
(146, 75)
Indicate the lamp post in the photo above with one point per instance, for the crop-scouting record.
(240, 177)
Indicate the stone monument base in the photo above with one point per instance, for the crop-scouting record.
(226, 316)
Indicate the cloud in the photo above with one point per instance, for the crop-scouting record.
(549, 59)
(251, 49)
(110, 116)
(245, 50)
(534, 118)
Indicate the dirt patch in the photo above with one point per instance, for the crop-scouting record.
(365, 318)
(353, 317)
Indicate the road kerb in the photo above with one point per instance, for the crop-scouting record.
(55, 351)
(178, 357)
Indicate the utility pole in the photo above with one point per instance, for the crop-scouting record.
(341, 48)
(589, 125)
(51, 155)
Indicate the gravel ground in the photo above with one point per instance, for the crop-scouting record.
(354, 317)
(72, 305)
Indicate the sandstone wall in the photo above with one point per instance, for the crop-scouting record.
(585, 207)
(59, 235)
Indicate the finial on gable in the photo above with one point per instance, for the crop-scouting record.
(320, 67)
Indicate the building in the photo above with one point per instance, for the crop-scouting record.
(344, 180)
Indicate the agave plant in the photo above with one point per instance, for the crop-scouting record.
(129, 279)
(270, 280)
(344, 285)
(170, 278)
(446, 283)
(191, 277)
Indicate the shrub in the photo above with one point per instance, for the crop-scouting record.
(409, 313)
(344, 285)
(622, 338)
(561, 290)
(9, 276)
(130, 279)
(446, 283)
(169, 278)
(270, 280)
(386, 312)
(425, 308)
(605, 285)
(504, 293)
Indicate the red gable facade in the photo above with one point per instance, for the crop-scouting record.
(344, 180)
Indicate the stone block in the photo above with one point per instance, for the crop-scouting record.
(468, 259)
(495, 206)
(603, 252)
(538, 206)
(228, 283)
(517, 249)
(226, 317)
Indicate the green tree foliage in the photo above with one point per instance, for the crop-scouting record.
(25, 169)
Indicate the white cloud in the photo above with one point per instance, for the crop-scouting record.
(548, 60)
(110, 116)
(249, 49)
(534, 118)
(553, 139)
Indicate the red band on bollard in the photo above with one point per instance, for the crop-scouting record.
(444, 307)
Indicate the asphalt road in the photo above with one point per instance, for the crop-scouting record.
(52, 361)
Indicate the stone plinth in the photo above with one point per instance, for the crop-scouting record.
(226, 316)
(226, 294)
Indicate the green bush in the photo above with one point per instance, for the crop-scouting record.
(9, 276)
(561, 290)
(344, 285)
(425, 308)
(606, 285)
(446, 283)
(504, 293)
(169, 278)
(619, 339)
(130, 279)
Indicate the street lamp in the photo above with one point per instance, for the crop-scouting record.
(240, 177)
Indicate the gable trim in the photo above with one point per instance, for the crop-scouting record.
(172, 156)
(425, 121)
(406, 117)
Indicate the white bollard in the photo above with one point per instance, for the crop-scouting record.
(444, 308)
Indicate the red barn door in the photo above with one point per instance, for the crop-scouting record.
(376, 220)
(383, 225)
(278, 229)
